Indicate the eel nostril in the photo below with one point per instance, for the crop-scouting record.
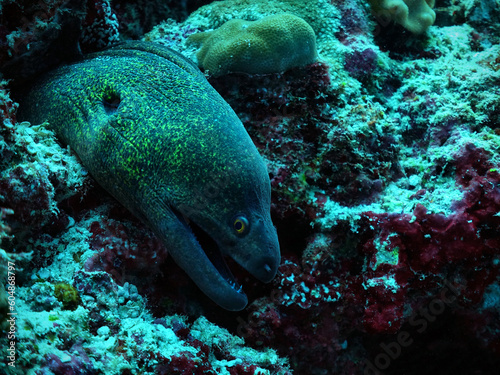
(266, 270)
(111, 102)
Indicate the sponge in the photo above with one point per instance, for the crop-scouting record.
(270, 45)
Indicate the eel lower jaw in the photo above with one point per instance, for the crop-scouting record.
(210, 248)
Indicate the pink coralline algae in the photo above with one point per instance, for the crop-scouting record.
(440, 262)
(431, 242)
(360, 64)
(460, 248)
(308, 310)
(287, 116)
(297, 92)
(353, 21)
(79, 363)
(123, 250)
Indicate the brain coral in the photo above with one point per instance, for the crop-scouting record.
(414, 15)
(270, 45)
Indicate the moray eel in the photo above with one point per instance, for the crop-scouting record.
(152, 131)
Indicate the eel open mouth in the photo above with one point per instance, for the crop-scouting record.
(210, 248)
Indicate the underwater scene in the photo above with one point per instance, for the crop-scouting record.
(245, 187)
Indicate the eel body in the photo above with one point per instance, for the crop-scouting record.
(151, 130)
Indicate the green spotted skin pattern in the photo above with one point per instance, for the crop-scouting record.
(151, 130)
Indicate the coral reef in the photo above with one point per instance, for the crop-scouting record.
(270, 45)
(384, 163)
(111, 332)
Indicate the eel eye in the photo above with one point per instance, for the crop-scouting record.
(111, 100)
(241, 224)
